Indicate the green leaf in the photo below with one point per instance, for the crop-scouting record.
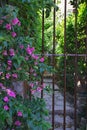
(5, 44)
(0, 48)
(2, 38)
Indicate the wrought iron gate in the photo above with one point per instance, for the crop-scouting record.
(75, 56)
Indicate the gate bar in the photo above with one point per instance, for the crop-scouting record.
(86, 62)
(64, 119)
(73, 55)
(42, 45)
(76, 71)
(7, 1)
(53, 58)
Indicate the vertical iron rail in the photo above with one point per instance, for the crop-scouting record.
(53, 58)
(4, 2)
(7, 1)
(42, 31)
(64, 121)
(42, 45)
(76, 64)
(86, 61)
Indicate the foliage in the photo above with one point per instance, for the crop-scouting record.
(17, 53)
(30, 13)
(71, 47)
(19, 62)
(78, 2)
(15, 115)
(83, 128)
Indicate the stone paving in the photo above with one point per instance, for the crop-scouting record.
(59, 108)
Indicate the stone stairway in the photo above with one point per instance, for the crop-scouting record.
(58, 108)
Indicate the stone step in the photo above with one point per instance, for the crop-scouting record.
(60, 128)
(61, 112)
(59, 120)
(58, 124)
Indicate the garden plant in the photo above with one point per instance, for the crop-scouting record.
(19, 62)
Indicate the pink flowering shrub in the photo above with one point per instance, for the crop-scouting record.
(18, 59)
(19, 62)
(15, 115)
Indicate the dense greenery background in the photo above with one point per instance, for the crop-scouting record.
(71, 47)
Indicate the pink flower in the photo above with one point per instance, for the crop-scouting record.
(6, 99)
(1, 85)
(32, 49)
(8, 76)
(11, 52)
(5, 53)
(15, 21)
(6, 107)
(11, 93)
(31, 70)
(14, 75)
(37, 82)
(29, 50)
(35, 56)
(39, 89)
(31, 85)
(35, 74)
(19, 113)
(13, 34)
(19, 23)
(43, 85)
(9, 68)
(33, 91)
(42, 59)
(1, 73)
(9, 62)
(8, 26)
(1, 21)
(17, 123)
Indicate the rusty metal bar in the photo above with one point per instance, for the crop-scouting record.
(42, 31)
(72, 55)
(7, 1)
(53, 58)
(76, 71)
(3, 2)
(42, 45)
(64, 120)
(86, 62)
